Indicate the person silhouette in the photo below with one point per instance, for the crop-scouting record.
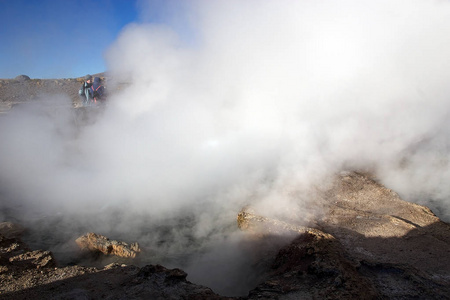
(85, 91)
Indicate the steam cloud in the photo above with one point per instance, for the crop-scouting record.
(270, 98)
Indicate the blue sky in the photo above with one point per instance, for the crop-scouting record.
(67, 38)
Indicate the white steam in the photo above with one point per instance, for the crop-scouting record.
(270, 98)
(289, 92)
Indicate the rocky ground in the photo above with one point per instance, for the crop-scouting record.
(23, 90)
(367, 244)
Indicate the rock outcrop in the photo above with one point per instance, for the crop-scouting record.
(369, 244)
(96, 242)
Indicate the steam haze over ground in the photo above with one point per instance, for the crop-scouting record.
(270, 99)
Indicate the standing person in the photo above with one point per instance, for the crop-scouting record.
(98, 90)
(85, 92)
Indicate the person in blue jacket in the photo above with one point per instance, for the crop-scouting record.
(85, 91)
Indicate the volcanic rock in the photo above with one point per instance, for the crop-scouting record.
(17, 259)
(370, 244)
(367, 243)
(95, 242)
(28, 274)
(314, 266)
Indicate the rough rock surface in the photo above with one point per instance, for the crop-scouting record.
(96, 242)
(369, 244)
(314, 266)
(18, 261)
(25, 276)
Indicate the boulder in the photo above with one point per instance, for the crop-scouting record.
(96, 242)
(22, 78)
